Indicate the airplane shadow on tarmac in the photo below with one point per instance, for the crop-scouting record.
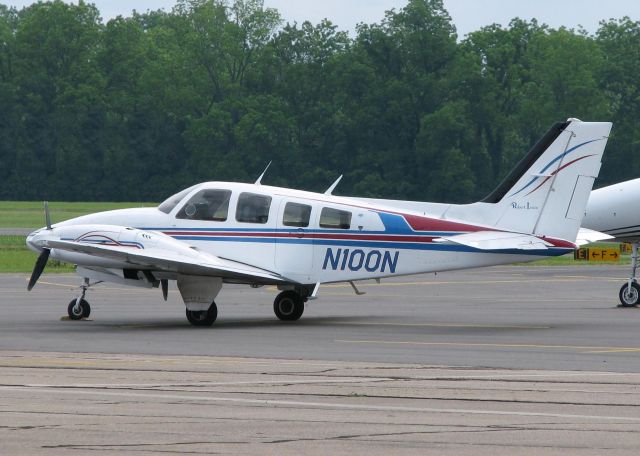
(343, 323)
(219, 325)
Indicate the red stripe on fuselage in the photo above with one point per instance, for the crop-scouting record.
(419, 223)
(305, 235)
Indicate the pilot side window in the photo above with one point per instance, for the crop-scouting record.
(296, 215)
(334, 218)
(211, 205)
(253, 208)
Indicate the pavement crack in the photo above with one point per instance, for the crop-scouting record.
(138, 445)
(398, 434)
(27, 428)
(304, 373)
(426, 398)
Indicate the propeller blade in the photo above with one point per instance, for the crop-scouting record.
(47, 217)
(165, 288)
(41, 262)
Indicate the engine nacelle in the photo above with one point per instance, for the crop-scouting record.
(118, 237)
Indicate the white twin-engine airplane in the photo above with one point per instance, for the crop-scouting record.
(222, 232)
(613, 210)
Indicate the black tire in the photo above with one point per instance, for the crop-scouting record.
(629, 297)
(203, 317)
(288, 306)
(85, 310)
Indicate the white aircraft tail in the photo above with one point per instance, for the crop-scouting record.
(546, 194)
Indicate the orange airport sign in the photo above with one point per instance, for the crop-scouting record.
(596, 254)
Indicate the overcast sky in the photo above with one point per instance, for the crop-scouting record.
(467, 15)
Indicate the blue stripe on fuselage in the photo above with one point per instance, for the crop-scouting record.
(395, 224)
(375, 245)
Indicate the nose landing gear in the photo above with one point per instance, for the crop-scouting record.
(79, 308)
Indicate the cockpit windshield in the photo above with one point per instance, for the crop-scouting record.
(167, 205)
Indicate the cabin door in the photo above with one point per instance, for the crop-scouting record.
(294, 239)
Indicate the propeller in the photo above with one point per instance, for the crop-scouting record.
(41, 262)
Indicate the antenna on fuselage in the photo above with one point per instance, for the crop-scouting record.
(333, 186)
(263, 173)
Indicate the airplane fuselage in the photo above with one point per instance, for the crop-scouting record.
(307, 237)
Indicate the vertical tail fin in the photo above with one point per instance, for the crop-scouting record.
(546, 194)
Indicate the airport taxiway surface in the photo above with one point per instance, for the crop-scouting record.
(531, 317)
(499, 361)
(62, 403)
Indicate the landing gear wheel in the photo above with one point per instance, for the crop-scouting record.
(288, 306)
(203, 317)
(630, 297)
(83, 310)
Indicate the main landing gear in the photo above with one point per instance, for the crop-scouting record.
(203, 317)
(289, 305)
(630, 291)
(79, 308)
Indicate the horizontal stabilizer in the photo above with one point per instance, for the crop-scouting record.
(497, 240)
(587, 236)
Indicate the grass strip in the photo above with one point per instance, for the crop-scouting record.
(30, 214)
(16, 257)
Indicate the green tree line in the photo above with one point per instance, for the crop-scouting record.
(139, 107)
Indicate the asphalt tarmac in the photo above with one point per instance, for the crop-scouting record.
(506, 317)
(505, 360)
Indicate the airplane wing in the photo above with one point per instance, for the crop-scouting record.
(497, 240)
(195, 263)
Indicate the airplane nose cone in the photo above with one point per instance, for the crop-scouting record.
(35, 240)
(30, 241)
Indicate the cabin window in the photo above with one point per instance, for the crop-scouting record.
(210, 205)
(334, 218)
(296, 215)
(253, 208)
(167, 205)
